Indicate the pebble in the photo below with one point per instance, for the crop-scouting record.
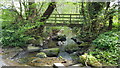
(58, 65)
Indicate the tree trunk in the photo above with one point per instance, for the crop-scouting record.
(48, 12)
(110, 23)
(46, 15)
(31, 12)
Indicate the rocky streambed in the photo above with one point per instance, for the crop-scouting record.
(66, 54)
(34, 56)
(29, 59)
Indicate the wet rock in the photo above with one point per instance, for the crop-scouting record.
(77, 41)
(51, 44)
(74, 57)
(41, 55)
(71, 48)
(31, 48)
(89, 60)
(65, 55)
(51, 52)
(59, 38)
(84, 44)
(69, 41)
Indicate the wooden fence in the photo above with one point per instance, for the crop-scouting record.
(65, 18)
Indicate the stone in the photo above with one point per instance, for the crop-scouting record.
(41, 55)
(58, 65)
(65, 55)
(31, 48)
(51, 52)
(84, 44)
(71, 48)
(89, 60)
(74, 57)
(51, 44)
(78, 65)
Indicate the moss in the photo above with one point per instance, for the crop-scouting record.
(71, 48)
(90, 60)
(84, 44)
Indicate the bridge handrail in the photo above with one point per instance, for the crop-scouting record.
(62, 18)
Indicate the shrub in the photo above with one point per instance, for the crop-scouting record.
(107, 41)
(11, 38)
(107, 48)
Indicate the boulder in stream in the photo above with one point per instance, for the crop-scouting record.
(31, 48)
(41, 55)
(65, 55)
(71, 48)
(51, 52)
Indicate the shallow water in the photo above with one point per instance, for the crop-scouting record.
(5, 61)
(2, 63)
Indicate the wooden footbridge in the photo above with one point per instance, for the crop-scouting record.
(70, 20)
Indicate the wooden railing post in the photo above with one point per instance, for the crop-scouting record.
(55, 18)
(70, 18)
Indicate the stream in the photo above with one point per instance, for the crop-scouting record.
(6, 61)
(2, 63)
(64, 54)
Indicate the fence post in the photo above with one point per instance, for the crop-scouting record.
(55, 18)
(70, 18)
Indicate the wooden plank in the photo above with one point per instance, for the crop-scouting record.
(55, 18)
(56, 24)
(69, 17)
(63, 24)
(66, 14)
(67, 20)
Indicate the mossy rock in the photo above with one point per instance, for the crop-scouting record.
(71, 48)
(74, 57)
(31, 48)
(89, 60)
(41, 55)
(51, 52)
(84, 44)
(52, 44)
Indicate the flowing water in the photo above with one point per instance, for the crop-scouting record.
(2, 63)
(68, 41)
(5, 59)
